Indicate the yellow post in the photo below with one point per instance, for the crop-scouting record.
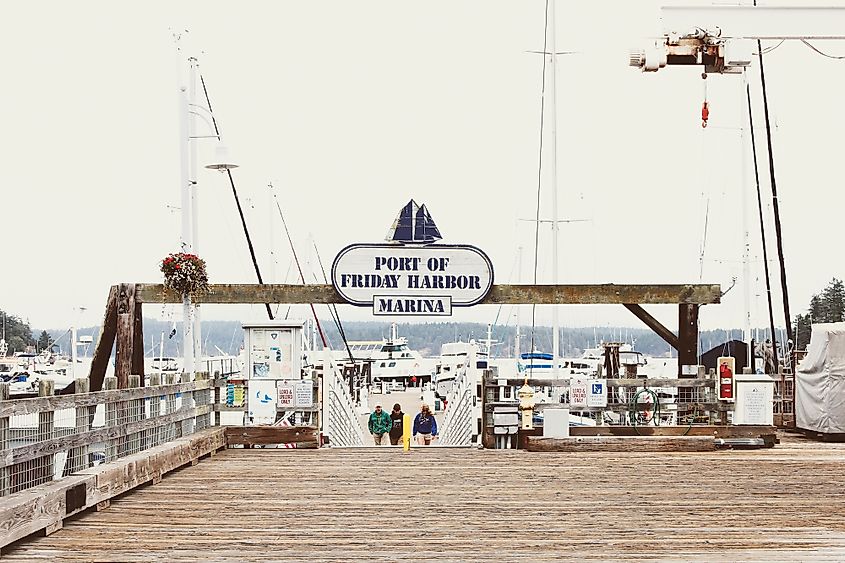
(526, 405)
(406, 432)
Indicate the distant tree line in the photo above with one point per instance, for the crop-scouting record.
(226, 337)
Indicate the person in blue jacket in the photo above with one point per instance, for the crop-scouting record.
(425, 426)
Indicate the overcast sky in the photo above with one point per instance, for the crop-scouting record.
(353, 108)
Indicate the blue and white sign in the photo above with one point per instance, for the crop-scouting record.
(586, 393)
(412, 280)
(597, 396)
(412, 276)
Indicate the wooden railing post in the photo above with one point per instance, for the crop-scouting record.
(134, 442)
(200, 397)
(110, 384)
(46, 388)
(188, 403)
(175, 428)
(78, 457)
(4, 441)
(154, 433)
(216, 402)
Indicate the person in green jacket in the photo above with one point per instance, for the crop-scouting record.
(379, 424)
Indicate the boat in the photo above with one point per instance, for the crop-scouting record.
(393, 364)
(454, 357)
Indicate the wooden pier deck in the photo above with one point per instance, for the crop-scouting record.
(786, 503)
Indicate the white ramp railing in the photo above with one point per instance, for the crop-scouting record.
(340, 422)
(462, 419)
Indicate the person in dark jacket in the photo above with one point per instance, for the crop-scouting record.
(378, 424)
(425, 427)
(397, 418)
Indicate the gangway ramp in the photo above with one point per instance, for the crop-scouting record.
(475, 505)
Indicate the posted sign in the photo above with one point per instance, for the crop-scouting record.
(412, 280)
(585, 393)
(286, 394)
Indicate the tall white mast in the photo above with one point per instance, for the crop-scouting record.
(746, 239)
(550, 95)
(193, 183)
(187, 230)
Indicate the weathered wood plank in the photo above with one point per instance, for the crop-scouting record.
(136, 366)
(125, 334)
(252, 435)
(703, 430)
(499, 294)
(45, 507)
(637, 444)
(14, 407)
(667, 335)
(124, 474)
(38, 508)
(318, 505)
(620, 407)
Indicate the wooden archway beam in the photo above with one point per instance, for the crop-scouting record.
(574, 294)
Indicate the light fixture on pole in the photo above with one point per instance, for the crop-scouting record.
(221, 161)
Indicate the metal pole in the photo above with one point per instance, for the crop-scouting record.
(73, 352)
(551, 93)
(746, 240)
(186, 242)
(192, 182)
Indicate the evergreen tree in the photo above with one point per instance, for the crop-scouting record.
(18, 333)
(827, 307)
(44, 341)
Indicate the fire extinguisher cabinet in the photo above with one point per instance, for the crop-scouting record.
(754, 399)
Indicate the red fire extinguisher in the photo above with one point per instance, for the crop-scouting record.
(726, 382)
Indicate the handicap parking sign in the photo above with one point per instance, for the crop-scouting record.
(597, 396)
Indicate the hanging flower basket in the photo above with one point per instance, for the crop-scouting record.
(185, 273)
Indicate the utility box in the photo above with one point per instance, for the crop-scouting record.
(556, 423)
(273, 356)
(274, 350)
(754, 399)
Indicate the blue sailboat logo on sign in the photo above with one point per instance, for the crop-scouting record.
(414, 225)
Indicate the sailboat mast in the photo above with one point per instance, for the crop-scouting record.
(517, 343)
(746, 240)
(551, 94)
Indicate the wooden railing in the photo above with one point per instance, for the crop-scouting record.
(694, 403)
(50, 436)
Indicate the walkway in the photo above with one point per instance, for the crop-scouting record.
(382, 504)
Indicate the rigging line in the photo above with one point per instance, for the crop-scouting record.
(775, 205)
(298, 266)
(540, 170)
(333, 307)
(814, 48)
(510, 277)
(332, 313)
(237, 199)
(760, 213)
(287, 275)
(772, 48)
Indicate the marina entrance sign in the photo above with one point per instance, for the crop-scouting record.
(412, 280)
